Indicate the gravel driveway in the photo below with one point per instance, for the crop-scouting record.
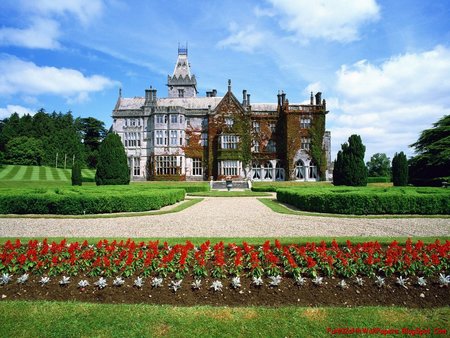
(223, 217)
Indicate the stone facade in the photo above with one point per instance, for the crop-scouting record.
(187, 137)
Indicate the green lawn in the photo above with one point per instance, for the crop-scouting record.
(58, 319)
(35, 174)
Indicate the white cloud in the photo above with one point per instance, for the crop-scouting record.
(18, 76)
(243, 40)
(42, 33)
(10, 109)
(390, 104)
(335, 20)
(84, 10)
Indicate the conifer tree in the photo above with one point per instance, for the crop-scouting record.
(400, 169)
(349, 168)
(76, 174)
(112, 167)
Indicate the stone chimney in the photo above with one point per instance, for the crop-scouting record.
(311, 99)
(244, 97)
(283, 97)
(214, 93)
(248, 99)
(318, 98)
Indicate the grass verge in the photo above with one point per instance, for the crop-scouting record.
(283, 209)
(239, 240)
(64, 319)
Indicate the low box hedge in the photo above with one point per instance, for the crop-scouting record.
(90, 201)
(366, 201)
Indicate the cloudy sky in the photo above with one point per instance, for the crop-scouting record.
(382, 66)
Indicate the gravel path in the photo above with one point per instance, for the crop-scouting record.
(223, 217)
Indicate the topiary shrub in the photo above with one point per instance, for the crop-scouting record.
(400, 170)
(112, 166)
(349, 167)
(76, 174)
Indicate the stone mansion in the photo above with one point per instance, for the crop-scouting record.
(189, 137)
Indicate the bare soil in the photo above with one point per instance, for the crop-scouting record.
(287, 293)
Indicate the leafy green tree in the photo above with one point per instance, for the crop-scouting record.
(400, 169)
(24, 151)
(349, 168)
(92, 131)
(76, 174)
(431, 165)
(379, 165)
(112, 167)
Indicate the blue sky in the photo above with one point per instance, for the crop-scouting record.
(382, 66)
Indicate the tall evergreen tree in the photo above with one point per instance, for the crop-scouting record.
(400, 169)
(112, 167)
(351, 169)
(76, 174)
(431, 165)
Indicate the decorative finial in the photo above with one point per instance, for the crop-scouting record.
(120, 92)
(229, 85)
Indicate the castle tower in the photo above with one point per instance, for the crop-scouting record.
(182, 83)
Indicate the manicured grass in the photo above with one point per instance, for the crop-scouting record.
(63, 319)
(216, 193)
(35, 174)
(239, 240)
(282, 209)
(273, 186)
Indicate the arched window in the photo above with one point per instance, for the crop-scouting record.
(300, 170)
(312, 170)
(268, 171)
(279, 172)
(256, 171)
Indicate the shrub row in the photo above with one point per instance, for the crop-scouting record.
(73, 203)
(380, 179)
(361, 203)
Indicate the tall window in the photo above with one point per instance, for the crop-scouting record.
(255, 146)
(173, 118)
(180, 92)
(159, 137)
(272, 126)
(305, 122)
(306, 143)
(229, 122)
(204, 139)
(137, 166)
(271, 146)
(229, 168)
(173, 137)
(197, 169)
(229, 142)
(161, 118)
(256, 126)
(299, 170)
(167, 165)
(132, 140)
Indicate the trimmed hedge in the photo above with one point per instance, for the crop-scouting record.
(368, 202)
(79, 202)
(378, 179)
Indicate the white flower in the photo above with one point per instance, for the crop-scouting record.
(236, 282)
(64, 281)
(6, 278)
(257, 281)
(275, 280)
(175, 285)
(421, 281)
(343, 285)
(119, 281)
(444, 280)
(379, 281)
(157, 282)
(318, 280)
(359, 281)
(300, 280)
(139, 282)
(101, 283)
(216, 285)
(22, 279)
(83, 283)
(44, 280)
(196, 284)
(402, 281)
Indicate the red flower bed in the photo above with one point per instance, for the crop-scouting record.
(126, 258)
